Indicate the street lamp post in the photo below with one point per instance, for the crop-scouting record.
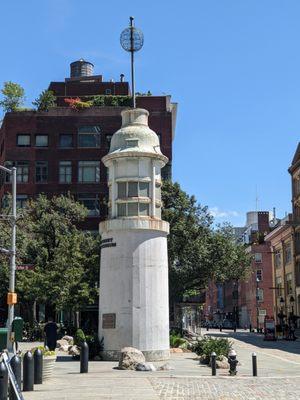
(11, 296)
(257, 306)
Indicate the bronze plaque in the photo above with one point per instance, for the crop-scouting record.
(108, 321)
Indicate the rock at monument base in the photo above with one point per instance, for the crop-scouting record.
(69, 339)
(221, 364)
(130, 358)
(61, 342)
(74, 351)
(64, 348)
(145, 367)
(176, 350)
(165, 367)
(204, 359)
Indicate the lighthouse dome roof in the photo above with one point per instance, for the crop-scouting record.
(135, 134)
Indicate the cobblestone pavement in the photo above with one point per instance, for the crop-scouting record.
(226, 388)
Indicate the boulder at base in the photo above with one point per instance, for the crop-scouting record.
(130, 357)
(222, 363)
(145, 367)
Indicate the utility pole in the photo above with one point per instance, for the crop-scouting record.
(11, 295)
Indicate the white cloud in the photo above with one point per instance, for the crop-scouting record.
(217, 213)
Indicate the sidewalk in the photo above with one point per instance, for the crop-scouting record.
(278, 369)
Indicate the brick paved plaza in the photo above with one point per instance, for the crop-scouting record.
(278, 369)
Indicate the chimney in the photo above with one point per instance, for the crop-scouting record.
(122, 78)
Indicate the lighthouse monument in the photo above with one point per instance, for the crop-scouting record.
(134, 301)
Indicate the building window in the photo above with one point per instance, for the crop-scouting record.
(21, 200)
(133, 209)
(89, 171)
(107, 91)
(277, 258)
(258, 275)
(22, 170)
(258, 257)
(133, 189)
(23, 140)
(41, 171)
(288, 253)
(65, 171)
(289, 286)
(278, 286)
(89, 136)
(91, 202)
(66, 141)
(260, 294)
(41, 140)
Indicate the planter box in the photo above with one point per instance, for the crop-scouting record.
(48, 367)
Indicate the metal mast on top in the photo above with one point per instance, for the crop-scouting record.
(132, 40)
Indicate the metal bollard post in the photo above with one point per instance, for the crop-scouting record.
(16, 365)
(84, 358)
(213, 364)
(3, 381)
(254, 364)
(38, 367)
(28, 372)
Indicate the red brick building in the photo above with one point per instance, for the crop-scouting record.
(60, 150)
(246, 302)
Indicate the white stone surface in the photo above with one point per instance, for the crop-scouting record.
(134, 257)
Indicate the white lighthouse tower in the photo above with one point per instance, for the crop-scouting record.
(134, 301)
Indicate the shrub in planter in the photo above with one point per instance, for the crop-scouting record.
(79, 337)
(208, 345)
(177, 341)
(95, 345)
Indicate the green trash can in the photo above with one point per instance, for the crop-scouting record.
(3, 338)
(17, 328)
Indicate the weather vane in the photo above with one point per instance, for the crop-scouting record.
(132, 40)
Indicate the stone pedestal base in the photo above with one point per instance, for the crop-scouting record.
(153, 355)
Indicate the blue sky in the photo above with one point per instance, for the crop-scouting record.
(233, 66)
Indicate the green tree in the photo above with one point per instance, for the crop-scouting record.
(45, 101)
(13, 96)
(197, 251)
(66, 259)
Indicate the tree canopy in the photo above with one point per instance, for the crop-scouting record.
(13, 96)
(198, 251)
(66, 259)
(45, 101)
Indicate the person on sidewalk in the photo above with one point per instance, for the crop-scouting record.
(50, 330)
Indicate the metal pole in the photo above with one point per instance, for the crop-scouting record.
(213, 364)
(132, 62)
(12, 275)
(254, 364)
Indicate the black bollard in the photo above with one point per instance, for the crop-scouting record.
(84, 358)
(38, 367)
(3, 381)
(213, 364)
(28, 372)
(15, 364)
(254, 364)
